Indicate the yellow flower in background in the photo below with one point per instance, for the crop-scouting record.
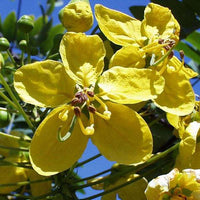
(135, 189)
(188, 129)
(175, 186)
(77, 88)
(11, 174)
(77, 16)
(147, 45)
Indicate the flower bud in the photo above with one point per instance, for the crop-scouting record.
(23, 45)
(4, 44)
(25, 24)
(1, 61)
(77, 16)
(4, 118)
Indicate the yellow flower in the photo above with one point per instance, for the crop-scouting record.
(78, 90)
(77, 16)
(149, 43)
(12, 174)
(188, 128)
(175, 186)
(135, 189)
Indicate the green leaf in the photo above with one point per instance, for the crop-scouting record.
(194, 39)
(137, 11)
(48, 43)
(189, 51)
(9, 26)
(44, 32)
(51, 6)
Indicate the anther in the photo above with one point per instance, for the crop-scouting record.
(90, 93)
(91, 109)
(171, 55)
(181, 52)
(82, 96)
(160, 41)
(167, 47)
(75, 101)
(77, 111)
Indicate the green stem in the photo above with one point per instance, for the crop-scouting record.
(94, 30)
(88, 160)
(24, 183)
(162, 58)
(28, 48)
(93, 176)
(19, 108)
(131, 169)
(8, 100)
(6, 163)
(13, 148)
(52, 56)
(11, 58)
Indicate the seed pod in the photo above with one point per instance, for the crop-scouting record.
(4, 118)
(77, 16)
(25, 24)
(4, 44)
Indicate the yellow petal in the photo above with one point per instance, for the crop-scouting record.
(178, 97)
(10, 141)
(125, 138)
(135, 189)
(11, 174)
(159, 22)
(83, 57)
(174, 120)
(40, 188)
(128, 56)
(118, 27)
(44, 84)
(130, 85)
(177, 65)
(187, 146)
(77, 16)
(47, 154)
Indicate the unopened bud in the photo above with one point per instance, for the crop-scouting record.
(77, 16)
(23, 45)
(4, 44)
(25, 24)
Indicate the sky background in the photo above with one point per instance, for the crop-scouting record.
(32, 7)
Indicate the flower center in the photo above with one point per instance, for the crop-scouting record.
(84, 102)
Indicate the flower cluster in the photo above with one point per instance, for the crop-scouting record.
(86, 99)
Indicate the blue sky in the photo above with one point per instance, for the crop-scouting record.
(32, 7)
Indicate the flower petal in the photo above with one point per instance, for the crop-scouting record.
(128, 56)
(159, 22)
(125, 138)
(47, 154)
(83, 57)
(44, 84)
(187, 146)
(130, 85)
(178, 97)
(177, 65)
(39, 188)
(11, 174)
(135, 189)
(118, 27)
